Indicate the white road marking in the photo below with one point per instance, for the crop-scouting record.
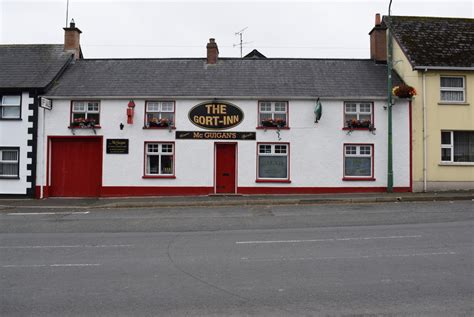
(50, 265)
(66, 246)
(348, 257)
(47, 213)
(325, 240)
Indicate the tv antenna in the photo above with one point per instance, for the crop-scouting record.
(67, 11)
(241, 44)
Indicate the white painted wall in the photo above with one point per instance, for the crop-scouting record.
(15, 133)
(316, 149)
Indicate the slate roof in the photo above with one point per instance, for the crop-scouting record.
(30, 65)
(435, 41)
(230, 77)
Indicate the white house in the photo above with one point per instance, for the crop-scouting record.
(199, 126)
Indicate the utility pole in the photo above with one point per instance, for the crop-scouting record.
(389, 105)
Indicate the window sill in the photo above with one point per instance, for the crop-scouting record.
(357, 129)
(9, 177)
(447, 103)
(11, 119)
(272, 128)
(158, 128)
(160, 176)
(456, 164)
(79, 127)
(285, 181)
(367, 179)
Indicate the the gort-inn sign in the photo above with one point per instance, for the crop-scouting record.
(216, 115)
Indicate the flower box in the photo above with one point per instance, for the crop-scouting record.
(159, 123)
(270, 123)
(360, 124)
(83, 123)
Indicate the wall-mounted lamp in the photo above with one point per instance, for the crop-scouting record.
(121, 126)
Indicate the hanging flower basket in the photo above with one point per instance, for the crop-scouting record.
(271, 123)
(83, 123)
(358, 124)
(404, 91)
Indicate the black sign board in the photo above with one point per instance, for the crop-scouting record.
(117, 146)
(206, 135)
(216, 115)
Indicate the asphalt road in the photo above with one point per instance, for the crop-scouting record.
(406, 259)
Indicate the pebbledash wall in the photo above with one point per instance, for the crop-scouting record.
(316, 150)
(19, 135)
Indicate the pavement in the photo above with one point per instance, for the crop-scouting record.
(230, 200)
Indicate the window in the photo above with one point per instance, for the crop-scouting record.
(358, 114)
(457, 146)
(10, 108)
(159, 159)
(85, 113)
(358, 161)
(9, 162)
(273, 162)
(273, 114)
(452, 89)
(159, 114)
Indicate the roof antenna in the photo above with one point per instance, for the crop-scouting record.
(241, 44)
(67, 12)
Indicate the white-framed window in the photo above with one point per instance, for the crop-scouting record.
(358, 161)
(273, 161)
(452, 89)
(457, 146)
(10, 107)
(358, 114)
(159, 159)
(85, 112)
(273, 113)
(159, 113)
(9, 162)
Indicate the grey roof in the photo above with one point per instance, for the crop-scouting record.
(30, 65)
(230, 77)
(435, 41)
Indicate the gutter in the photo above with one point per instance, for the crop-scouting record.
(426, 68)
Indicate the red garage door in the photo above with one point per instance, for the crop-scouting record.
(76, 167)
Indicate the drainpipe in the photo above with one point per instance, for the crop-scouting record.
(425, 159)
(389, 106)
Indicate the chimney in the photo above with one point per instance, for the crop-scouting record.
(378, 41)
(72, 40)
(212, 52)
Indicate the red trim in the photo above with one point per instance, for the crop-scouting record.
(259, 122)
(411, 144)
(174, 160)
(272, 128)
(159, 128)
(316, 190)
(266, 180)
(236, 164)
(372, 117)
(358, 178)
(128, 191)
(79, 127)
(370, 179)
(159, 100)
(355, 129)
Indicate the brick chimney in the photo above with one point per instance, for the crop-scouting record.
(72, 40)
(378, 41)
(212, 52)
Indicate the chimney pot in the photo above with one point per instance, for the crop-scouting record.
(377, 19)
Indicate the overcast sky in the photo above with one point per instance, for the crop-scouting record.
(154, 28)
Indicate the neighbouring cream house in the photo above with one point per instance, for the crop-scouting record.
(435, 56)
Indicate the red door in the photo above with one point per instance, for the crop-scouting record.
(76, 167)
(225, 168)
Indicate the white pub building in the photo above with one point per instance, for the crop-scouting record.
(200, 126)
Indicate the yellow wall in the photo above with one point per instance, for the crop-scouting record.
(439, 117)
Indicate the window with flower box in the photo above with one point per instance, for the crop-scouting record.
(10, 107)
(457, 146)
(358, 115)
(159, 159)
(273, 162)
(9, 162)
(358, 162)
(159, 114)
(85, 114)
(273, 114)
(452, 89)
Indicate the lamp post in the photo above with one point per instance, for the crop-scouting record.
(389, 105)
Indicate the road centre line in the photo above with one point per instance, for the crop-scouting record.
(48, 213)
(325, 240)
(50, 265)
(66, 246)
(347, 257)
